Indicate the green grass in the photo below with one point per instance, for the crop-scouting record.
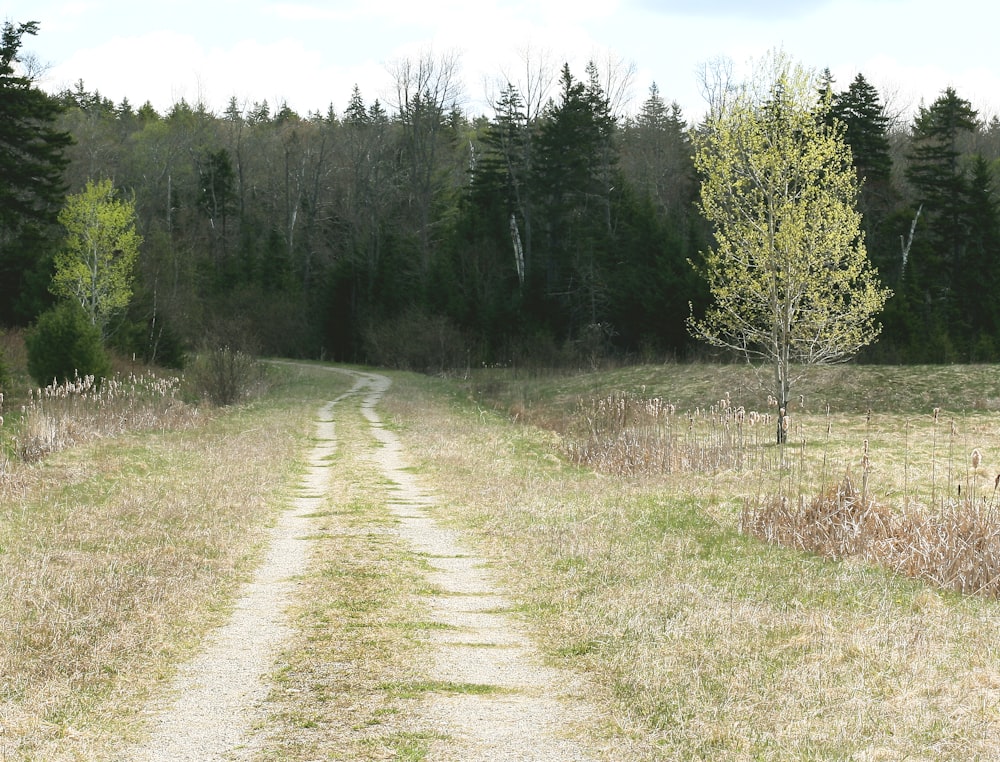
(418, 688)
(708, 644)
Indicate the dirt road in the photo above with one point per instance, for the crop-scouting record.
(510, 706)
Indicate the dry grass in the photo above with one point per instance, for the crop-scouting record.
(66, 414)
(708, 643)
(956, 547)
(116, 554)
(705, 642)
(337, 694)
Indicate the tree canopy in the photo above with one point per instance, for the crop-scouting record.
(96, 264)
(32, 163)
(556, 227)
(789, 275)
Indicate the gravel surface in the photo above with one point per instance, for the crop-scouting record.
(521, 709)
(217, 697)
(524, 709)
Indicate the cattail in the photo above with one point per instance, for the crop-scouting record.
(977, 458)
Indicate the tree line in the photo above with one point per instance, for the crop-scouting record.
(556, 228)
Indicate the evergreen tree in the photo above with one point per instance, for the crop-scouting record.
(32, 160)
(576, 163)
(979, 277)
(866, 127)
(217, 200)
(941, 189)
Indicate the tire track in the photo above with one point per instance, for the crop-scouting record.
(492, 697)
(217, 698)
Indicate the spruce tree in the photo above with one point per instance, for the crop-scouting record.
(32, 191)
(866, 128)
(940, 185)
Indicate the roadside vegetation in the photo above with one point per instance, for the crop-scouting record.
(703, 636)
(709, 642)
(124, 535)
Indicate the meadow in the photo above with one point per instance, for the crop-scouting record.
(727, 597)
(650, 573)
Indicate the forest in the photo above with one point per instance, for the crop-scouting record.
(560, 228)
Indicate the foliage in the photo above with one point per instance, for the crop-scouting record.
(556, 211)
(225, 376)
(789, 275)
(95, 266)
(955, 221)
(417, 341)
(32, 160)
(64, 345)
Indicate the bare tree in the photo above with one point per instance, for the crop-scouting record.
(617, 78)
(517, 104)
(428, 90)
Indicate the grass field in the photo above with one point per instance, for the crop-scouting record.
(711, 644)
(701, 641)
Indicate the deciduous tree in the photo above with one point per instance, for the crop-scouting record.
(789, 276)
(95, 265)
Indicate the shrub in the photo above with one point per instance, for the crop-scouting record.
(225, 376)
(65, 345)
(416, 341)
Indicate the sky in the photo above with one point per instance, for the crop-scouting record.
(309, 54)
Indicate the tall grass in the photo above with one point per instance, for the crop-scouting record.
(61, 415)
(627, 435)
(117, 553)
(806, 495)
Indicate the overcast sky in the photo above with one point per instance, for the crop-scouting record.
(311, 53)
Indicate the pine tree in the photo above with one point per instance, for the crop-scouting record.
(32, 161)
(574, 180)
(656, 155)
(866, 125)
(941, 188)
(979, 278)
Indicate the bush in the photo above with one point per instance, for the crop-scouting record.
(416, 341)
(64, 344)
(225, 376)
(154, 343)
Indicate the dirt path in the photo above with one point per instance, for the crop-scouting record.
(217, 697)
(498, 701)
(504, 703)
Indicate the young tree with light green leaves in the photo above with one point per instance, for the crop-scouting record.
(789, 276)
(96, 263)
